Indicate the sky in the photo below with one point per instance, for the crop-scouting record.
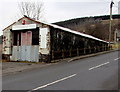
(57, 10)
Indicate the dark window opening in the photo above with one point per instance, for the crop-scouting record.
(15, 38)
(35, 37)
(118, 39)
(19, 39)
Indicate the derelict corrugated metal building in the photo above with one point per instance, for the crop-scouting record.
(30, 40)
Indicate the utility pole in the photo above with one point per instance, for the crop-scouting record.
(110, 26)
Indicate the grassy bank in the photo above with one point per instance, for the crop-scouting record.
(116, 46)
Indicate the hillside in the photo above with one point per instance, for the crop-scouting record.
(97, 26)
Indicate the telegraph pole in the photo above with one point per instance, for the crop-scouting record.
(110, 26)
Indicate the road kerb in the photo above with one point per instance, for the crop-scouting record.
(83, 56)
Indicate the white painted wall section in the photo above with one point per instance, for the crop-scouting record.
(44, 40)
(43, 37)
(22, 27)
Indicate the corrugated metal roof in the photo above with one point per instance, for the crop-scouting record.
(75, 32)
(62, 28)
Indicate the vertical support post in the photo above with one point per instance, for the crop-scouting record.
(103, 48)
(62, 53)
(77, 52)
(84, 50)
(70, 52)
(89, 49)
(95, 49)
(110, 26)
(52, 54)
(98, 49)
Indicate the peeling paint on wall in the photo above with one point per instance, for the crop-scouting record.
(44, 42)
(7, 42)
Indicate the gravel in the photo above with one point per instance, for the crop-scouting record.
(14, 67)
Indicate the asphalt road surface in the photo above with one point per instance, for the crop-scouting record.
(93, 73)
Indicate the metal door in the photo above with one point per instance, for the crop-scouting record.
(15, 53)
(27, 51)
(23, 53)
(35, 53)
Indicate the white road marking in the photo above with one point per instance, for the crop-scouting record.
(98, 66)
(117, 59)
(54, 82)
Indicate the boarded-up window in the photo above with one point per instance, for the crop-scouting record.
(26, 38)
(23, 38)
(43, 37)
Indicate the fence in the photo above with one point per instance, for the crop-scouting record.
(77, 52)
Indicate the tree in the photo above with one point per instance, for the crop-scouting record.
(31, 9)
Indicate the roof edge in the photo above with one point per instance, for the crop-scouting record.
(59, 27)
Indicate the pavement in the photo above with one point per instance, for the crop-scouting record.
(9, 68)
(93, 73)
(16, 67)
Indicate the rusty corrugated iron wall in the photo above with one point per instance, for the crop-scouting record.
(65, 44)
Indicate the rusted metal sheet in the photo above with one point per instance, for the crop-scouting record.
(28, 56)
(34, 53)
(15, 53)
(18, 53)
(30, 53)
(25, 53)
